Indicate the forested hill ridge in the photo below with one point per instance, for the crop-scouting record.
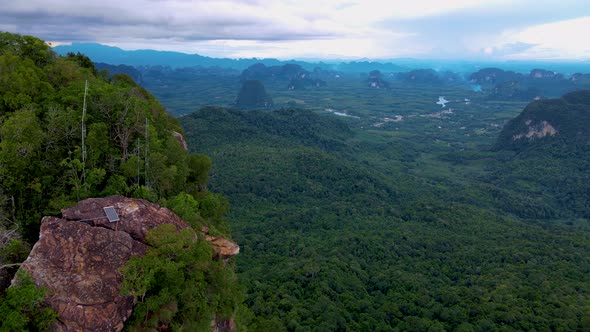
(550, 139)
(284, 126)
(345, 229)
(566, 120)
(130, 147)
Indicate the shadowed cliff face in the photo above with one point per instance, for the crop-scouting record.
(253, 94)
(78, 256)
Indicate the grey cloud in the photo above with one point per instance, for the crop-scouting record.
(149, 22)
(450, 34)
(74, 21)
(509, 49)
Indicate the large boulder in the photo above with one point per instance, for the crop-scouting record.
(137, 216)
(78, 256)
(78, 264)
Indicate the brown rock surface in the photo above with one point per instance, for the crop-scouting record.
(78, 256)
(540, 130)
(137, 216)
(223, 247)
(223, 325)
(181, 140)
(79, 265)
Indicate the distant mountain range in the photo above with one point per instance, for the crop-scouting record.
(117, 56)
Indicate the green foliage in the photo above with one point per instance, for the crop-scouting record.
(199, 166)
(21, 309)
(178, 284)
(22, 138)
(186, 207)
(26, 47)
(144, 193)
(214, 206)
(208, 210)
(129, 142)
(130, 150)
(82, 61)
(14, 250)
(562, 185)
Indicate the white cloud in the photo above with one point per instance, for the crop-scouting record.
(564, 39)
(311, 28)
(557, 40)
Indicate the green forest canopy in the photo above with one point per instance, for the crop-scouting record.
(339, 231)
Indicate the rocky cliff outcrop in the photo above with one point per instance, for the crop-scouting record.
(253, 95)
(223, 248)
(376, 81)
(181, 140)
(566, 119)
(78, 256)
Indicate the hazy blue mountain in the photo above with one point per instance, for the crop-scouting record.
(470, 66)
(120, 69)
(420, 76)
(117, 56)
(297, 77)
(538, 83)
(367, 66)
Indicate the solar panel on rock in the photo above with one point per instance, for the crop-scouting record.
(111, 213)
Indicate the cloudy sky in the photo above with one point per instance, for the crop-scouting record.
(377, 29)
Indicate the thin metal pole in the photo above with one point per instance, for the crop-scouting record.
(84, 134)
(147, 140)
(138, 159)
